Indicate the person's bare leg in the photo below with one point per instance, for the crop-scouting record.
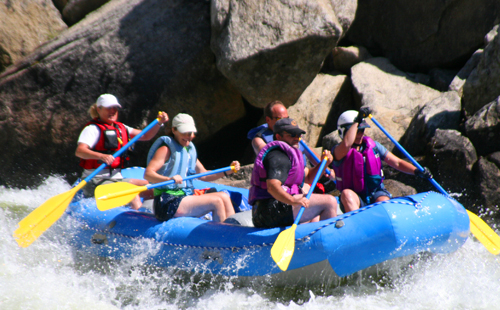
(228, 205)
(136, 203)
(197, 206)
(324, 206)
(350, 200)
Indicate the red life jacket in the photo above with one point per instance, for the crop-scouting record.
(111, 139)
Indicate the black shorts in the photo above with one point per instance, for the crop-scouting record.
(270, 213)
(165, 206)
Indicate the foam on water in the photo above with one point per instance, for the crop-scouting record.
(48, 275)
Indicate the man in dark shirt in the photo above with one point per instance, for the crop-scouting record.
(278, 197)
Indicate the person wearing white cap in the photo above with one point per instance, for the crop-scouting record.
(358, 163)
(173, 157)
(103, 136)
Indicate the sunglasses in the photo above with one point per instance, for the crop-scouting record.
(293, 135)
(278, 118)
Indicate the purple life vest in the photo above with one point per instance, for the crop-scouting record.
(358, 168)
(259, 174)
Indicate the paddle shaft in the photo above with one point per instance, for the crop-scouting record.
(150, 186)
(413, 161)
(313, 185)
(123, 149)
(310, 152)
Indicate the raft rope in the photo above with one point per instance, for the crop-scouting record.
(411, 202)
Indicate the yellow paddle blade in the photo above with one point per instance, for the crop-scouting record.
(109, 196)
(484, 233)
(40, 219)
(282, 250)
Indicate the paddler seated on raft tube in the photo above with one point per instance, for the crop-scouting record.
(361, 184)
(104, 136)
(263, 134)
(173, 157)
(278, 175)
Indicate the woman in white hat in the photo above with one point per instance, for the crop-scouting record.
(102, 137)
(173, 157)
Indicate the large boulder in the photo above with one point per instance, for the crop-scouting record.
(393, 95)
(443, 112)
(144, 52)
(488, 178)
(25, 25)
(75, 10)
(483, 85)
(421, 35)
(451, 159)
(483, 128)
(272, 50)
(313, 109)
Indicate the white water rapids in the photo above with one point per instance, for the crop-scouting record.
(48, 275)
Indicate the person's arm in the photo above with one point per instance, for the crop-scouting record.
(257, 144)
(151, 133)
(399, 164)
(201, 169)
(274, 188)
(161, 156)
(341, 150)
(311, 173)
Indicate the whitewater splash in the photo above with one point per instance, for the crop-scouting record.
(48, 275)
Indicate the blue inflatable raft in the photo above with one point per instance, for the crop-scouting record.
(341, 246)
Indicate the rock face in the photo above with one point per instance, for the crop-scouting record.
(24, 25)
(428, 69)
(271, 50)
(483, 85)
(75, 10)
(421, 35)
(123, 49)
(483, 128)
(394, 96)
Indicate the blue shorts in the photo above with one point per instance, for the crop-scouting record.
(363, 201)
(165, 206)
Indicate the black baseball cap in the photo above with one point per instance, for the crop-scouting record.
(289, 125)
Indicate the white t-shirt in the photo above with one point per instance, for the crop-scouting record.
(90, 136)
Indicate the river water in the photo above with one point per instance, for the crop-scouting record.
(48, 275)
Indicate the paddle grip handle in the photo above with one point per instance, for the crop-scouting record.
(413, 161)
(194, 176)
(313, 185)
(123, 149)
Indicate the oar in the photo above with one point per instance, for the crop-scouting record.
(284, 246)
(314, 156)
(117, 194)
(478, 227)
(40, 219)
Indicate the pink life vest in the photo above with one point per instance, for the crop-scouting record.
(358, 168)
(259, 174)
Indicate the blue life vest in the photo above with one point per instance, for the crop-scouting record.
(182, 162)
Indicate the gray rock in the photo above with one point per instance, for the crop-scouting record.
(451, 159)
(483, 85)
(272, 50)
(422, 35)
(483, 128)
(442, 112)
